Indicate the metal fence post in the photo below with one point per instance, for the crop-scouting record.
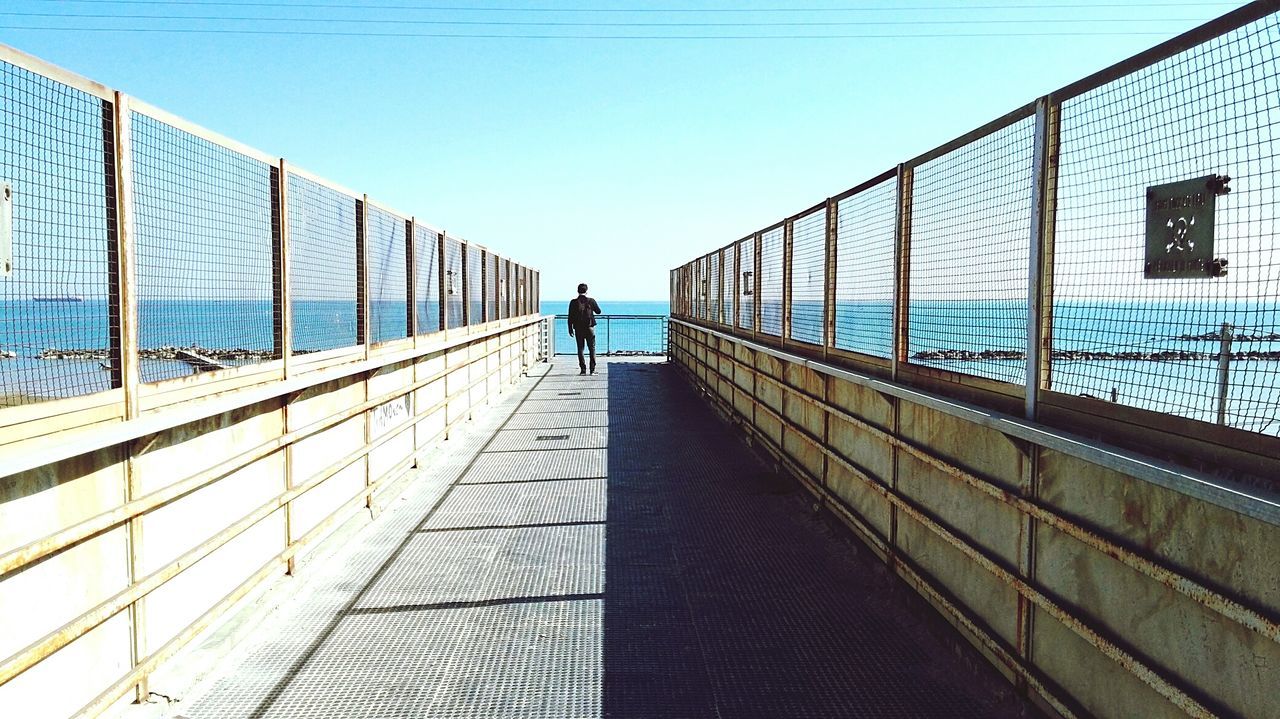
(1040, 285)
(284, 328)
(737, 289)
(787, 240)
(280, 246)
(484, 286)
(442, 292)
(1224, 370)
(363, 329)
(118, 171)
(411, 277)
(608, 334)
(465, 297)
(829, 289)
(757, 241)
(902, 269)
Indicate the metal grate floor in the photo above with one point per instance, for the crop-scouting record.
(638, 566)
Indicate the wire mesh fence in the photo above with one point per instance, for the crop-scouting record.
(474, 257)
(504, 292)
(212, 228)
(746, 283)
(322, 266)
(864, 269)
(771, 278)
(970, 224)
(700, 288)
(714, 300)
(426, 282)
(454, 290)
(490, 284)
(519, 289)
(204, 253)
(387, 236)
(1159, 344)
(730, 268)
(1160, 284)
(618, 335)
(57, 187)
(808, 276)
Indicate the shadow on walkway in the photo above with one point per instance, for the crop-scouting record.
(725, 596)
(603, 547)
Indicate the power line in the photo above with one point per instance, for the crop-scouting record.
(456, 8)
(324, 33)
(559, 23)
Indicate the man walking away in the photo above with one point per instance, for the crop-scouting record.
(582, 320)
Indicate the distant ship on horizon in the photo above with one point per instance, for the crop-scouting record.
(57, 298)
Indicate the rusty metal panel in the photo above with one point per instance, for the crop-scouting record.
(862, 402)
(769, 365)
(984, 452)
(1221, 547)
(988, 523)
(1179, 633)
(742, 402)
(805, 452)
(1180, 636)
(804, 414)
(867, 505)
(769, 393)
(1101, 687)
(995, 602)
(869, 453)
(769, 426)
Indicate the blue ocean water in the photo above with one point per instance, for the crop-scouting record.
(624, 326)
(1187, 387)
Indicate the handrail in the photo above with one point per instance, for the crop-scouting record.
(22, 456)
(1249, 501)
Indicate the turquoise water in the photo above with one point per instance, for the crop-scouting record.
(616, 335)
(1188, 387)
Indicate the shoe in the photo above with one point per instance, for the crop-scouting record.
(582, 371)
(593, 371)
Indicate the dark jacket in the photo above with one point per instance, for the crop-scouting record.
(582, 314)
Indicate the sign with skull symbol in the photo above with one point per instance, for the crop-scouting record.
(1180, 228)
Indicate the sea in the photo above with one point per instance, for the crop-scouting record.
(1189, 387)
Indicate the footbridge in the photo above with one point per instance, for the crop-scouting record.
(993, 433)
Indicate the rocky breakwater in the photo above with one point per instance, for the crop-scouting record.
(162, 353)
(1237, 337)
(6, 354)
(1091, 356)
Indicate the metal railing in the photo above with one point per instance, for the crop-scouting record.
(143, 248)
(1046, 259)
(616, 335)
(200, 339)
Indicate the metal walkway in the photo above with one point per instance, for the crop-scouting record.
(602, 546)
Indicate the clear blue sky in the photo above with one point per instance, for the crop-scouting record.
(604, 160)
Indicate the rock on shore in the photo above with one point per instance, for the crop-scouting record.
(1087, 356)
(161, 353)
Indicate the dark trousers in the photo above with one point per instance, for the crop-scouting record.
(588, 338)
